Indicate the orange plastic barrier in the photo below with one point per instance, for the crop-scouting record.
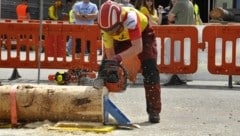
(19, 38)
(178, 49)
(223, 49)
(177, 46)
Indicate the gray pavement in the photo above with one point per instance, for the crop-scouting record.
(201, 108)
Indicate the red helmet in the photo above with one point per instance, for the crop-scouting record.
(109, 15)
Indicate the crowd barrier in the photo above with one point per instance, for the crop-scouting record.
(223, 49)
(178, 47)
(55, 35)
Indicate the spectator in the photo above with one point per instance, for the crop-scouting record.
(71, 20)
(53, 10)
(126, 34)
(166, 11)
(148, 9)
(180, 14)
(22, 10)
(85, 13)
(23, 13)
(66, 9)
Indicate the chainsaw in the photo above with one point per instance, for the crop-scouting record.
(71, 76)
(112, 75)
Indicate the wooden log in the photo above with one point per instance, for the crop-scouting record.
(52, 102)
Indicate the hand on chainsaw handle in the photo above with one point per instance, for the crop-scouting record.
(117, 58)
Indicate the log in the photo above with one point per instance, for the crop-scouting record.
(52, 102)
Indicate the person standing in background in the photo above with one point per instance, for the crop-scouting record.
(71, 20)
(85, 13)
(148, 9)
(182, 13)
(53, 10)
(22, 10)
(166, 11)
(66, 9)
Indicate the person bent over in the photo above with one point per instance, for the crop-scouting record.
(126, 33)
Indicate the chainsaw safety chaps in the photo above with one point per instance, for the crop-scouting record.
(150, 72)
(152, 86)
(153, 98)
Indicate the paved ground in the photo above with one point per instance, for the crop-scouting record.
(201, 108)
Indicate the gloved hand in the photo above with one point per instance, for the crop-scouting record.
(117, 58)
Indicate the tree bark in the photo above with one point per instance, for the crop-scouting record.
(52, 102)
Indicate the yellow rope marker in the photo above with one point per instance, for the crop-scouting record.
(82, 126)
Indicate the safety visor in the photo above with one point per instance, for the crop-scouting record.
(115, 29)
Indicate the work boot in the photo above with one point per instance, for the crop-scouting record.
(175, 80)
(154, 118)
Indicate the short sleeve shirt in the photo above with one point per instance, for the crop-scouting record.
(183, 11)
(85, 8)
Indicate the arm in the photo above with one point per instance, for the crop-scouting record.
(134, 50)
(91, 16)
(51, 14)
(85, 16)
(171, 17)
(79, 16)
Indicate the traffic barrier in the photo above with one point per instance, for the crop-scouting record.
(178, 49)
(223, 49)
(25, 35)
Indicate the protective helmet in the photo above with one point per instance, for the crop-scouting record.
(109, 15)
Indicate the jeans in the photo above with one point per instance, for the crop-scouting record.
(69, 45)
